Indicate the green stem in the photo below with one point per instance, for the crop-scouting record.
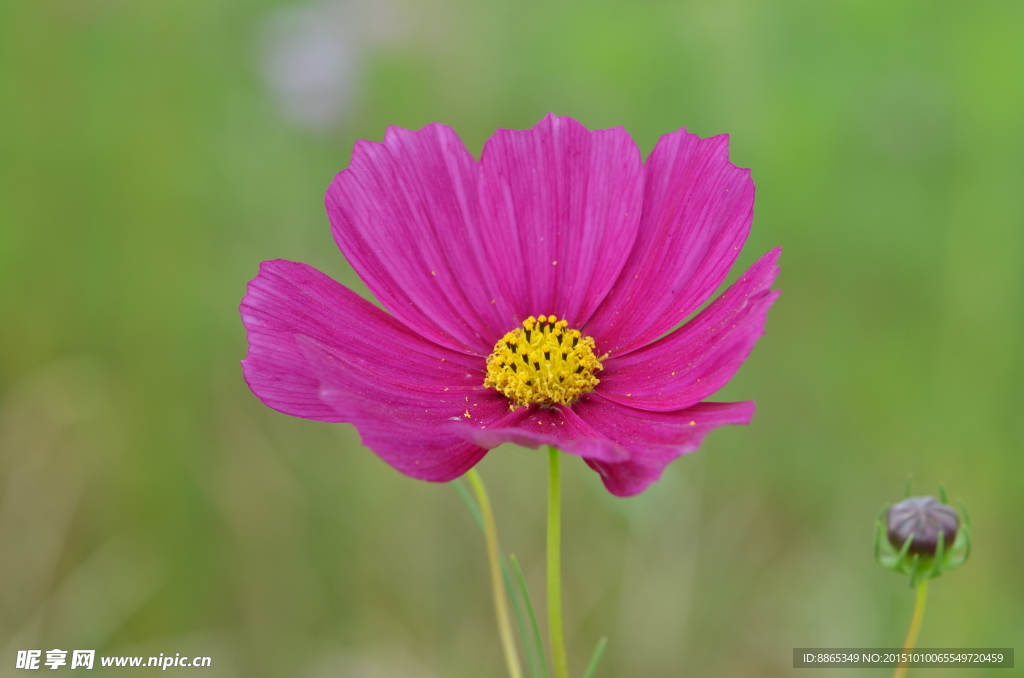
(558, 657)
(500, 601)
(915, 626)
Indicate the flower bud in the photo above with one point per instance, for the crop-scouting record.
(924, 518)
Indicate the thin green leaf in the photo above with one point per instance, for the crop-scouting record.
(506, 575)
(517, 608)
(595, 658)
(525, 593)
(470, 503)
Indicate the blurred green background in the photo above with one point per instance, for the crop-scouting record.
(153, 153)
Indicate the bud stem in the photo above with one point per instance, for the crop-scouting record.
(915, 626)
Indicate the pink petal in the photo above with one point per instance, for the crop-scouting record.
(559, 208)
(318, 350)
(696, 215)
(414, 427)
(652, 439)
(439, 457)
(404, 213)
(536, 426)
(629, 448)
(699, 358)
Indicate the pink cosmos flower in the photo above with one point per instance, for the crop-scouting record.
(532, 298)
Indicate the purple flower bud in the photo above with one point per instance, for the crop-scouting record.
(924, 518)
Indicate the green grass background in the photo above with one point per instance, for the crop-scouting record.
(149, 503)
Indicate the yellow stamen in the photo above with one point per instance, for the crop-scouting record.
(543, 362)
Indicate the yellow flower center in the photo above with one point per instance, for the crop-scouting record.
(543, 362)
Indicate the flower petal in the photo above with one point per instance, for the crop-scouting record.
(404, 213)
(651, 439)
(439, 457)
(320, 351)
(628, 447)
(696, 215)
(699, 358)
(560, 208)
(413, 427)
(536, 426)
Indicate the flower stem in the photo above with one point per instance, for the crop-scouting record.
(497, 584)
(558, 657)
(915, 626)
